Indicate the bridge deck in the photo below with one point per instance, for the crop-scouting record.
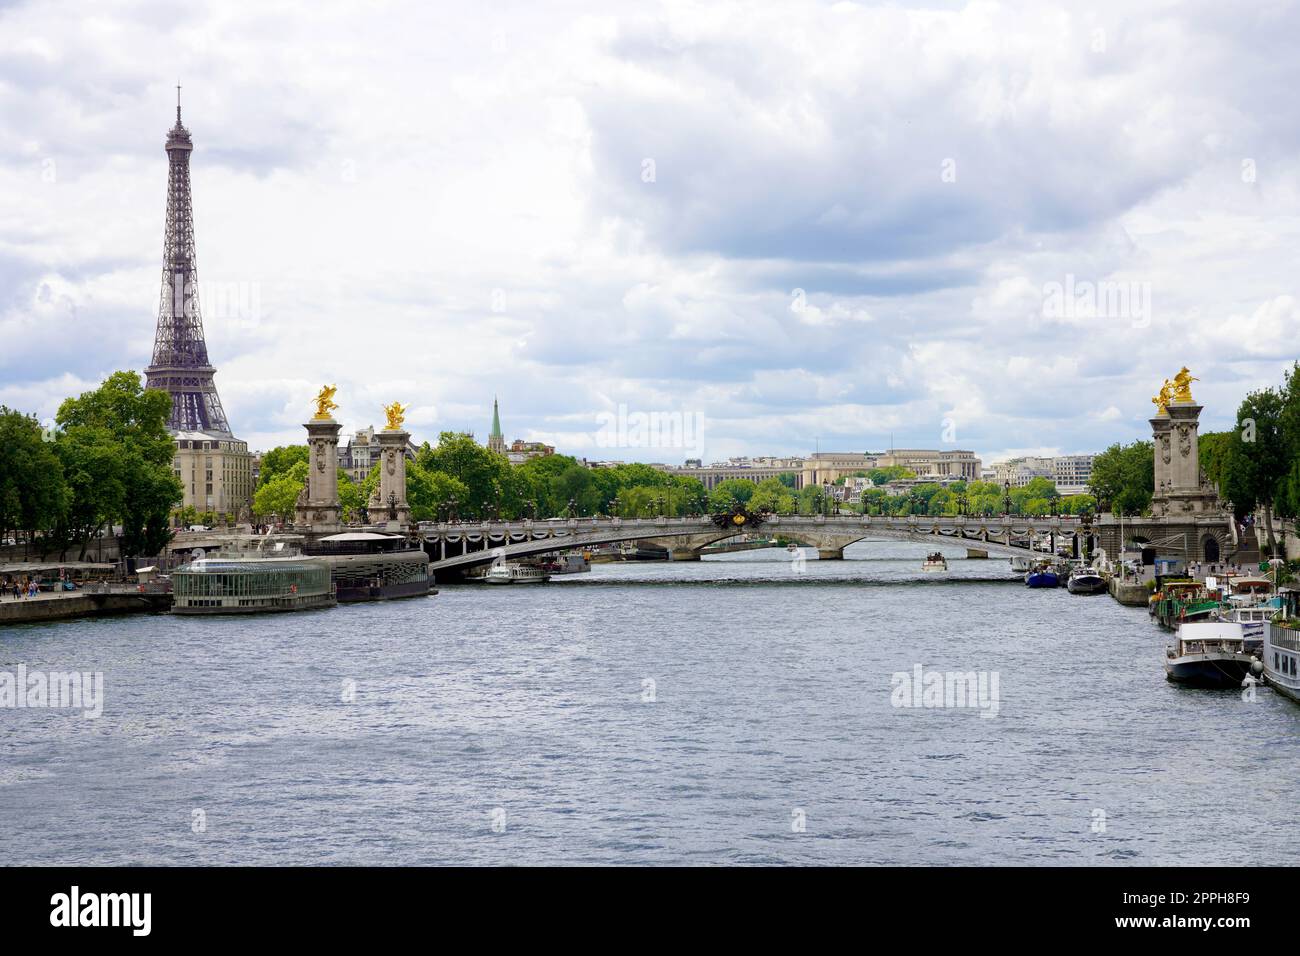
(483, 542)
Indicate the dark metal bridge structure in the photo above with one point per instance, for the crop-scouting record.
(455, 548)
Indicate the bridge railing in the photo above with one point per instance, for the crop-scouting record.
(906, 522)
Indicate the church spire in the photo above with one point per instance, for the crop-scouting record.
(496, 440)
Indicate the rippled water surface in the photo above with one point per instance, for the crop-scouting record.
(512, 725)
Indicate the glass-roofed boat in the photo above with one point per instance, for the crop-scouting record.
(250, 581)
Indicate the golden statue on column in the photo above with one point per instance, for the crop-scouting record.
(396, 413)
(325, 403)
(1183, 386)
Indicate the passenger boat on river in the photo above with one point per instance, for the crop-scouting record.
(368, 566)
(1282, 645)
(1209, 654)
(251, 581)
(1086, 580)
(1180, 601)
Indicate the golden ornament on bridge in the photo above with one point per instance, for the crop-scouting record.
(396, 413)
(325, 402)
(1165, 396)
(1183, 386)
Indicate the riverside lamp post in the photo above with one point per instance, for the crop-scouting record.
(1006, 498)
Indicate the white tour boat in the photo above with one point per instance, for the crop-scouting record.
(1209, 654)
(506, 573)
(934, 562)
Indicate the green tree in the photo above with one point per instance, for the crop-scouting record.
(278, 461)
(427, 490)
(773, 495)
(1257, 460)
(95, 468)
(1123, 478)
(33, 493)
(880, 476)
(350, 499)
(136, 420)
(733, 491)
(485, 475)
(1214, 449)
(575, 484)
(279, 496)
(812, 500)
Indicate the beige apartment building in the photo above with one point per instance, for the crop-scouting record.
(216, 470)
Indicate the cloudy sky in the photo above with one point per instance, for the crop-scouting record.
(797, 225)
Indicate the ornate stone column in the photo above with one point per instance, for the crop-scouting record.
(1184, 467)
(1161, 426)
(388, 501)
(318, 504)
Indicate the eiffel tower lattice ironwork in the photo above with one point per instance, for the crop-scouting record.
(180, 363)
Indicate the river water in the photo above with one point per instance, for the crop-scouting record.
(737, 710)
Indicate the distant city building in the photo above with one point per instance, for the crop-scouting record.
(213, 465)
(933, 463)
(752, 469)
(825, 467)
(496, 440)
(1021, 471)
(522, 451)
(1070, 473)
(361, 454)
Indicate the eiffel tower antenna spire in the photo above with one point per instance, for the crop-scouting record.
(180, 363)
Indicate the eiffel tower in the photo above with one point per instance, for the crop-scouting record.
(180, 363)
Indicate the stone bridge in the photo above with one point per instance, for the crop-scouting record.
(455, 547)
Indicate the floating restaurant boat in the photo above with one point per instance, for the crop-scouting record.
(1282, 645)
(368, 566)
(1086, 581)
(251, 582)
(1043, 576)
(1209, 654)
(507, 573)
(934, 561)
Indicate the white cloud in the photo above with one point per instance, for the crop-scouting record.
(439, 206)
